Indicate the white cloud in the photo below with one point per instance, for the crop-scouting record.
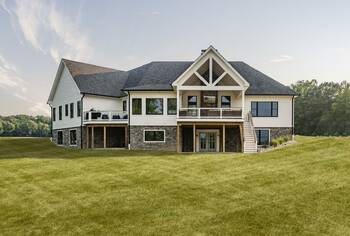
(9, 77)
(155, 13)
(49, 30)
(282, 58)
(35, 107)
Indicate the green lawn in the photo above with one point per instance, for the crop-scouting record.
(300, 189)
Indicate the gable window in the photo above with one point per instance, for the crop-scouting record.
(71, 110)
(66, 110)
(192, 101)
(263, 136)
(73, 137)
(154, 106)
(172, 106)
(154, 136)
(136, 106)
(60, 112)
(54, 114)
(59, 137)
(124, 105)
(264, 109)
(78, 109)
(226, 101)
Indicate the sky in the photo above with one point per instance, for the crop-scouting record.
(287, 40)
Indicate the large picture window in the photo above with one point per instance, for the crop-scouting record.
(136, 106)
(73, 137)
(192, 101)
(154, 136)
(59, 137)
(264, 109)
(154, 106)
(263, 136)
(172, 106)
(225, 101)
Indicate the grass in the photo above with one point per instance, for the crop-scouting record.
(303, 189)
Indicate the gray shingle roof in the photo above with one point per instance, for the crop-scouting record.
(158, 76)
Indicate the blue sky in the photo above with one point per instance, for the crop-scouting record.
(288, 40)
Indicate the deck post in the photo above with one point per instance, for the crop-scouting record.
(104, 137)
(92, 137)
(194, 138)
(177, 138)
(242, 135)
(126, 136)
(223, 137)
(87, 136)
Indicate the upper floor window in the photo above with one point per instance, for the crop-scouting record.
(172, 106)
(264, 109)
(60, 112)
(54, 114)
(154, 106)
(192, 101)
(78, 109)
(66, 110)
(71, 110)
(124, 105)
(136, 106)
(225, 101)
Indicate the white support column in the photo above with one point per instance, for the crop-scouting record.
(223, 137)
(210, 70)
(178, 102)
(243, 103)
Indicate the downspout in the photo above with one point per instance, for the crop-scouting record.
(128, 120)
(293, 130)
(81, 120)
(51, 122)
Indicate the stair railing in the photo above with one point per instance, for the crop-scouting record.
(251, 124)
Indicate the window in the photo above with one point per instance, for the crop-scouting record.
(59, 137)
(60, 112)
(209, 101)
(73, 137)
(172, 106)
(264, 109)
(124, 105)
(263, 136)
(71, 110)
(66, 110)
(54, 114)
(136, 106)
(192, 101)
(225, 101)
(78, 109)
(154, 106)
(154, 136)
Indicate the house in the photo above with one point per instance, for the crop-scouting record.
(206, 105)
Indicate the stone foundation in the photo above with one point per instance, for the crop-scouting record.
(281, 131)
(66, 141)
(136, 138)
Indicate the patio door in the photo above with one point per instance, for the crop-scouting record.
(208, 141)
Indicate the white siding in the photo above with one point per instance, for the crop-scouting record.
(101, 103)
(284, 118)
(165, 119)
(67, 92)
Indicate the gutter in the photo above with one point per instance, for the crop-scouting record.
(81, 120)
(293, 129)
(51, 121)
(128, 120)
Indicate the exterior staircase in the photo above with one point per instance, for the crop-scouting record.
(250, 144)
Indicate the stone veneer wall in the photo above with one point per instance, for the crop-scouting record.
(66, 136)
(136, 138)
(281, 131)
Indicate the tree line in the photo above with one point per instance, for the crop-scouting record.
(322, 109)
(23, 125)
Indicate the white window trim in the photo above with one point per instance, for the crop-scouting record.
(73, 145)
(269, 135)
(144, 136)
(62, 138)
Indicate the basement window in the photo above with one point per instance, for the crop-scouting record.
(154, 136)
(263, 136)
(73, 137)
(59, 137)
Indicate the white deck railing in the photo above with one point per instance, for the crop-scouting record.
(105, 116)
(210, 113)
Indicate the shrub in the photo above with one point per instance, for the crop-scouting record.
(274, 142)
(285, 139)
